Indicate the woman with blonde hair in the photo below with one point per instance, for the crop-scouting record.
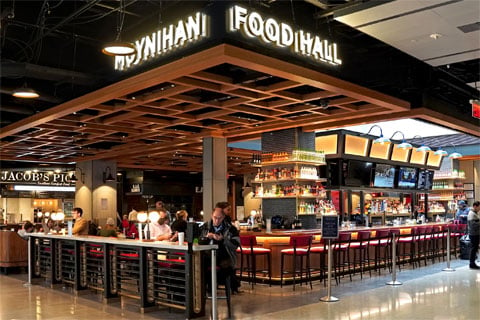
(180, 224)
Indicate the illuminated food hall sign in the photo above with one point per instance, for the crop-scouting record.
(39, 178)
(280, 34)
(164, 40)
(250, 24)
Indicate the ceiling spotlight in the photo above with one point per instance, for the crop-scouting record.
(25, 93)
(435, 36)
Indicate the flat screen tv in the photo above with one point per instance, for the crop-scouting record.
(359, 173)
(425, 179)
(384, 176)
(407, 178)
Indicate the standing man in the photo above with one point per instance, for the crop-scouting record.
(159, 206)
(220, 231)
(474, 232)
(462, 212)
(81, 225)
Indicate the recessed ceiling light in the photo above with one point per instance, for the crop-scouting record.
(436, 36)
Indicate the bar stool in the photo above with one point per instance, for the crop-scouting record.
(341, 251)
(300, 249)
(419, 244)
(249, 249)
(439, 237)
(405, 239)
(322, 251)
(459, 231)
(381, 241)
(362, 247)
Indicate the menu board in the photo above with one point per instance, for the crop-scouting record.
(329, 227)
(425, 179)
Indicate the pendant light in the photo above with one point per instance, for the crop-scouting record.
(119, 47)
(25, 93)
(381, 139)
(404, 145)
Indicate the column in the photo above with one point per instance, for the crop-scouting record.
(214, 173)
(97, 198)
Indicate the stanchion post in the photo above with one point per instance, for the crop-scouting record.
(448, 253)
(329, 297)
(394, 281)
(214, 284)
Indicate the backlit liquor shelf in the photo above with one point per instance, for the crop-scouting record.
(298, 156)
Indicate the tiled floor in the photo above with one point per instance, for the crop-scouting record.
(426, 293)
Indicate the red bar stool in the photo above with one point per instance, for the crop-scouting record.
(381, 242)
(424, 244)
(362, 247)
(404, 240)
(341, 251)
(249, 249)
(439, 236)
(321, 249)
(460, 230)
(300, 249)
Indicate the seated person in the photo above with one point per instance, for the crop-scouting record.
(160, 230)
(180, 224)
(81, 225)
(109, 230)
(125, 222)
(50, 226)
(27, 228)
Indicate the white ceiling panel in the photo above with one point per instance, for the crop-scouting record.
(411, 28)
(387, 10)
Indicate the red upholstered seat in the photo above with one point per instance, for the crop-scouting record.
(250, 250)
(301, 246)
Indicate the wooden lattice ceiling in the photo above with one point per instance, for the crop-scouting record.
(157, 119)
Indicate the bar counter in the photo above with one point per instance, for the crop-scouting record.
(152, 272)
(278, 239)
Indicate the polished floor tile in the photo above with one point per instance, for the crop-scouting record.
(426, 293)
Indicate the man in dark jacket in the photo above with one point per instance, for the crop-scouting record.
(220, 231)
(474, 232)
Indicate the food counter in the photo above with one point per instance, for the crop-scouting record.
(153, 272)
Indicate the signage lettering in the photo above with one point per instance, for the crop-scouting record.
(164, 40)
(253, 25)
(40, 178)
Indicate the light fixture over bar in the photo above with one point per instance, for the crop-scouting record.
(404, 144)
(381, 139)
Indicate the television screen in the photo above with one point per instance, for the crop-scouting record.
(425, 179)
(384, 176)
(407, 178)
(358, 173)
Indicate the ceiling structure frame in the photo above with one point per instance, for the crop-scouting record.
(157, 119)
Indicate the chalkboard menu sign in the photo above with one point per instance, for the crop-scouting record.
(425, 180)
(329, 227)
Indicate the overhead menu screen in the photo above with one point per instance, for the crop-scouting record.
(425, 179)
(384, 176)
(407, 178)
